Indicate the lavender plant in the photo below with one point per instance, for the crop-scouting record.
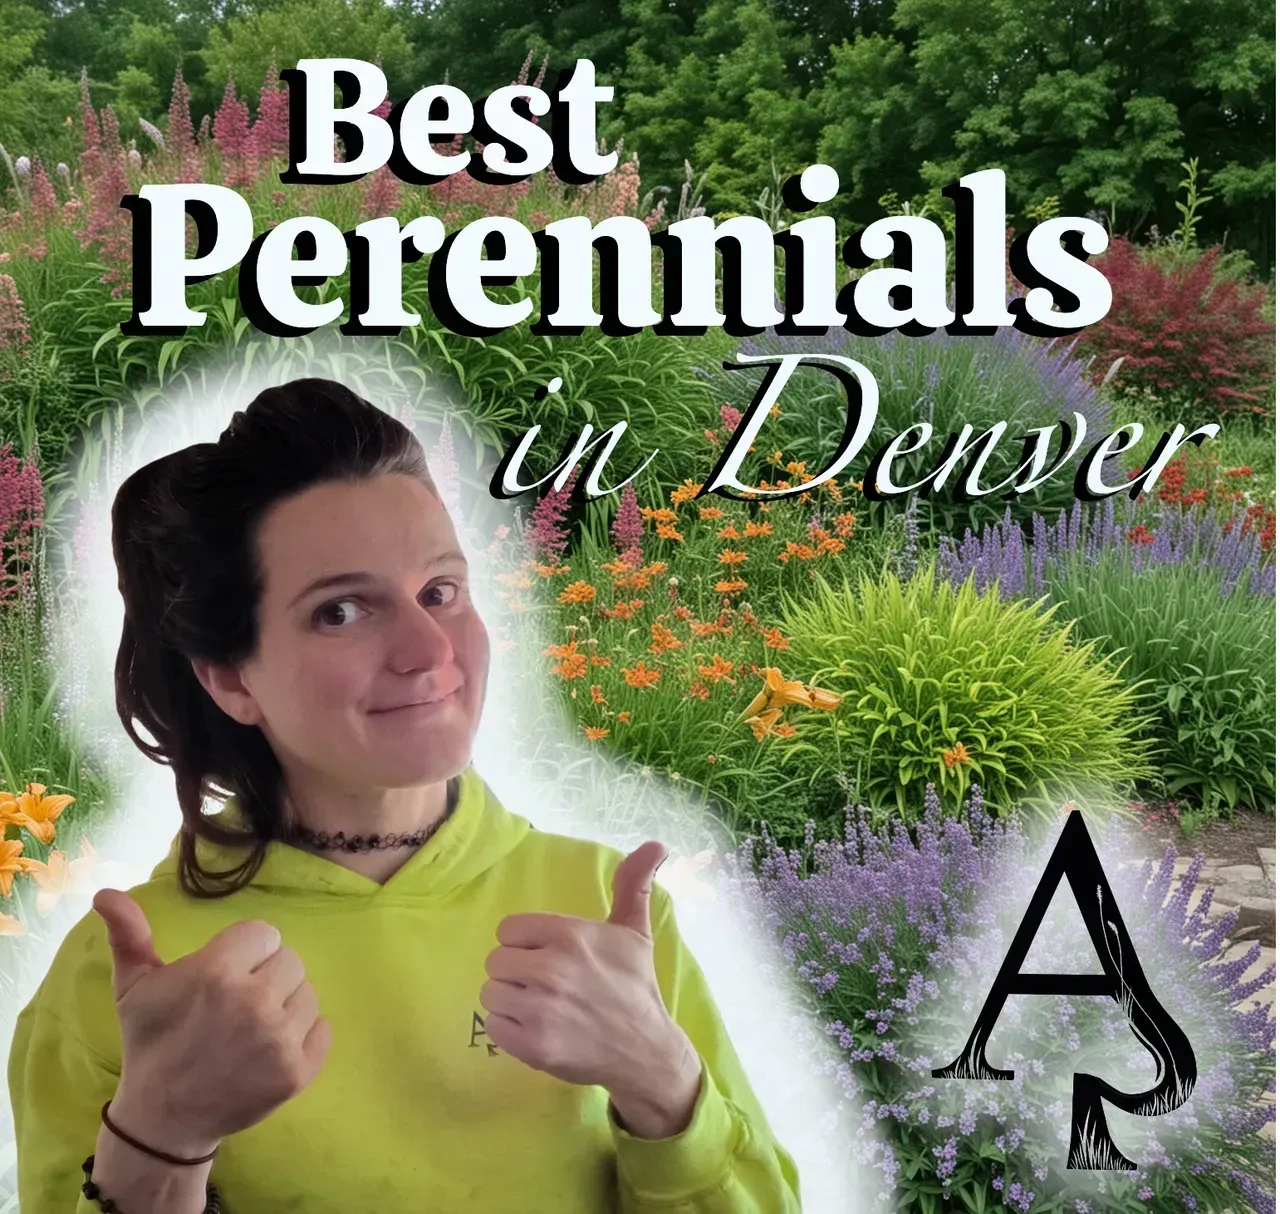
(1187, 603)
(898, 936)
(942, 379)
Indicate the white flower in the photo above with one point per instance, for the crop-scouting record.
(62, 170)
(23, 166)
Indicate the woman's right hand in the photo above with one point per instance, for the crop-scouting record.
(213, 1042)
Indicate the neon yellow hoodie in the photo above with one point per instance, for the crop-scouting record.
(413, 1109)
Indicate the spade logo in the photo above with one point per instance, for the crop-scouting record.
(477, 1031)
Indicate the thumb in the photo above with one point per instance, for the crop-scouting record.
(133, 951)
(633, 884)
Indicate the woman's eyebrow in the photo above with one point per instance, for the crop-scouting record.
(361, 578)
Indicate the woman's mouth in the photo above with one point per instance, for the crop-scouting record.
(428, 709)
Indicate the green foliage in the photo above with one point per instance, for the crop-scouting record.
(305, 29)
(925, 668)
(686, 726)
(1208, 662)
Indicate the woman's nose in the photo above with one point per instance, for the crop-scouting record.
(421, 641)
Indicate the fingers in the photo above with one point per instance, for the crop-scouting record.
(244, 946)
(316, 1043)
(281, 974)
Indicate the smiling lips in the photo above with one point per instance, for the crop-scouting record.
(421, 706)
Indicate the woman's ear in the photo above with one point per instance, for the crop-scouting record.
(226, 688)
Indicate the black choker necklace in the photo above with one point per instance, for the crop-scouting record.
(340, 841)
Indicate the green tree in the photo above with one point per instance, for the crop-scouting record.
(481, 44)
(725, 100)
(1097, 103)
(243, 46)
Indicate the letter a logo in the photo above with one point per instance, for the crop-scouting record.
(1091, 1144)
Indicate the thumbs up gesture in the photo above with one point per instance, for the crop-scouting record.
(579, 999)
(210, 1043)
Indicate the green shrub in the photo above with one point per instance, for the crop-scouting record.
(928, 671)
(1208, 660)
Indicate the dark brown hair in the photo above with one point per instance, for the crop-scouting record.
(183, 533)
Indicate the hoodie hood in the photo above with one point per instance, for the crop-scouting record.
(477, 835)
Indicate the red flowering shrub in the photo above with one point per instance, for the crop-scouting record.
(1183, 333)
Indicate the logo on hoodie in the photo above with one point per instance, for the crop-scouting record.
(477, 1031)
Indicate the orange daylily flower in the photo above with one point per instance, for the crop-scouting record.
(597, 694)
(731, 585)
(784, 729)
(61, 876)
(731, 556)
(594, 732)
(751, 530)
(12, 861)
(624, 717)
(718, 669)
(667, 531)
(34, 811)
(957, 756)
(700, 690)
(550, 570)
(571, 663)
(773, 639)
(519, 580)
(710, 512)
(763, 724)
(825, 700)
(777, 692)
(663, 639)
(661, 515)
(729, 532)
(577, 592)
(684, 492)
(640, 676)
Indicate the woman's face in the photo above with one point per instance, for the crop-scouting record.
(365, 611)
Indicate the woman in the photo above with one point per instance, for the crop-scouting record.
(364, 985)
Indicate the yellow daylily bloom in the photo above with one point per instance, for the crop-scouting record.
(826, 700)
(12, 862)
(762, 724)
(34, 811)
(777, 693)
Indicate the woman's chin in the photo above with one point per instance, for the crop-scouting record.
(437, 756)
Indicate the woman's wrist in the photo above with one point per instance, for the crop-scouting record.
(143, 1118)
(141, 1184)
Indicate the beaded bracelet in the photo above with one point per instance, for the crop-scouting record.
(213, 1203)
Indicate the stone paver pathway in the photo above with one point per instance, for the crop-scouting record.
(1250, 888)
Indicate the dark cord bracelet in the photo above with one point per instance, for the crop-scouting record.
(212, 1205)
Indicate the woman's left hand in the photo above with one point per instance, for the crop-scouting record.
(579, 999)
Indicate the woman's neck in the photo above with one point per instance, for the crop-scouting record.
(402, 813)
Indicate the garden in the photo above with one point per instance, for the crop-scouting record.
(886, 706)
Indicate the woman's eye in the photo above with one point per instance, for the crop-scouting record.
(449, 590)
(330, 613)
